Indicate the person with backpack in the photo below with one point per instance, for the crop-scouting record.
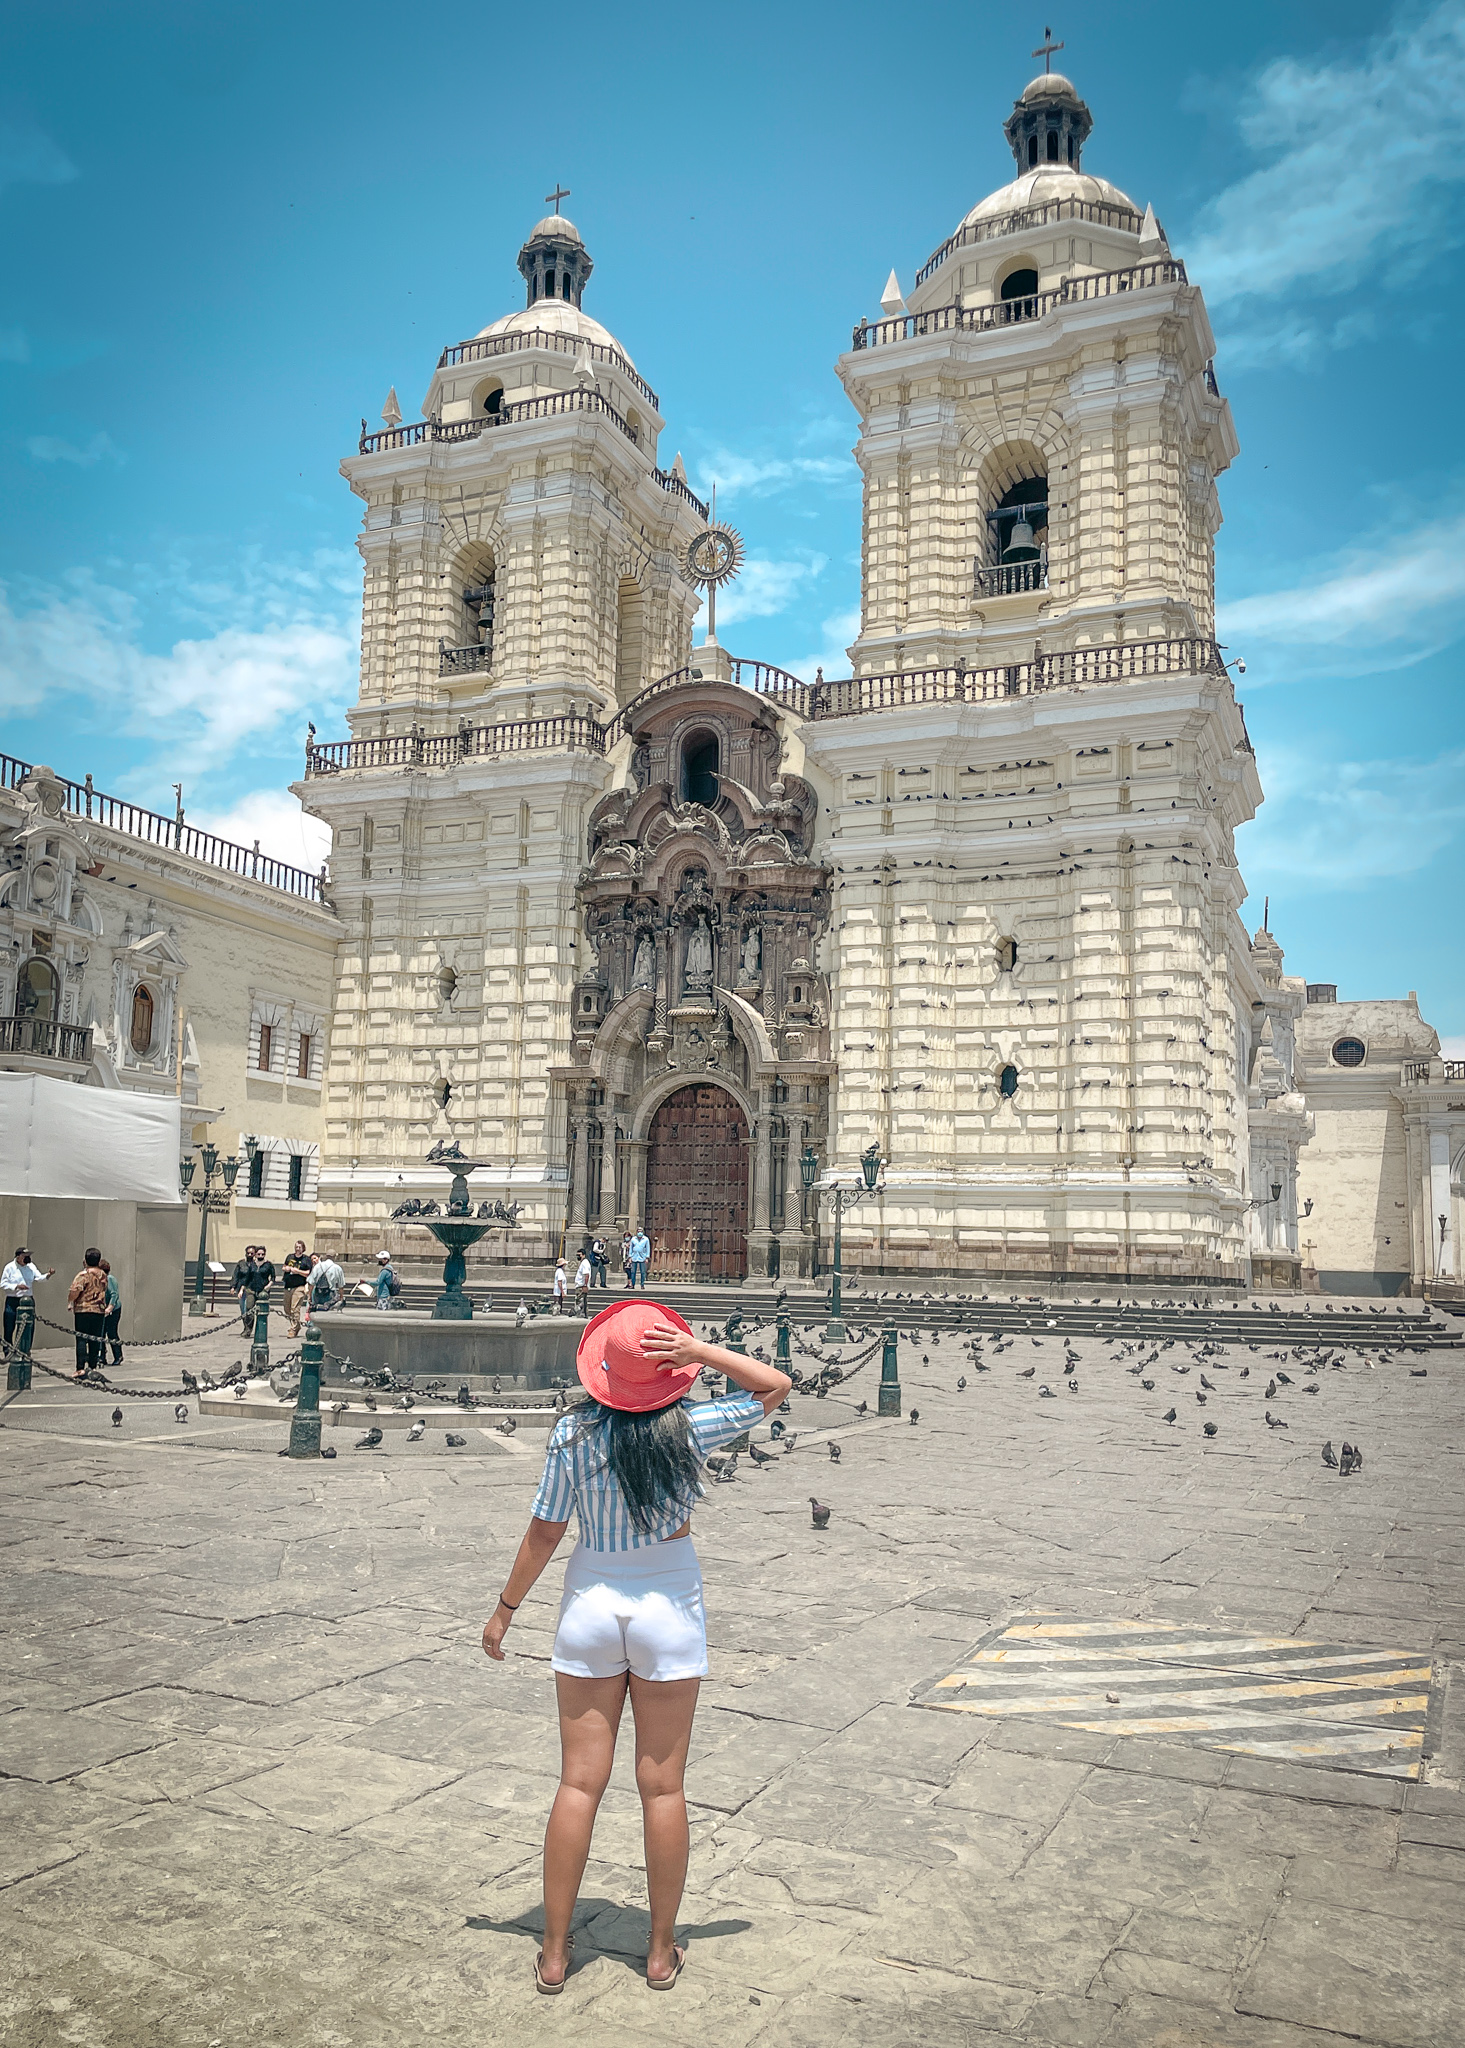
(388, 1286)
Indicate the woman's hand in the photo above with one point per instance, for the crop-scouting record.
(674, 1350)
(494, 1631)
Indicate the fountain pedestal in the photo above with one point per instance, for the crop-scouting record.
(453, 1305)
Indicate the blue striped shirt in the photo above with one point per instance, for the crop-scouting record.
(577, 1476)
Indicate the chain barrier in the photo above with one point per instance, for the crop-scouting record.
(98, 1383)
(151, 1343)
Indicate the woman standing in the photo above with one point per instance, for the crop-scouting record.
(631, 1619)
(87, 1299)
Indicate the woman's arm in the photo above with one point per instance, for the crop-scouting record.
(541, 1540)
(672, 1347)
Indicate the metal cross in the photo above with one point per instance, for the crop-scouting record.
(1046, 49)
(561, 192)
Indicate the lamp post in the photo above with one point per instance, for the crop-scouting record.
(208, 1157)
(871, 1167)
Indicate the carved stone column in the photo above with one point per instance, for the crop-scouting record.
(575, 1219)
(635, 1183)
(759, 1234)
(797, 1241)
(607, 1174)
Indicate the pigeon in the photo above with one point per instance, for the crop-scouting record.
(1419, 1372)
(1276, 1422)
(1046, 1394)
(1148, 1385)
(1201, 1398)
(456, 1442)
(329, 1451)
(1072, 1386)
(761, 1457)
(915, 1417)
(775, 1429)
(507, 1426)
(465, 1399)
(370, 1441)
(961, 1385)
(835, 1453)
(1070, 1367)
(190, 1384)
(1271, 1393)
(369, 1401)
(1168, 1416)
(1282, 1377)
(863, 1409)
(1330, 1457)
(1352, 1460)
(925, 1359)
(1027, 1372)
(1312, 1390)
(404, 1402)
(1206, 1384)
(821, 1513)
(1208, 1428)
(1245, 1372)
(789, 1440)
(180, 1411)
(240, 1391)
(417, 1432)
(729, 1470)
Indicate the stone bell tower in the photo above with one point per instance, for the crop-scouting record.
(1038, 769)
(525, 575)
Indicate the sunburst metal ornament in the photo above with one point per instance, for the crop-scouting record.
(714, 558)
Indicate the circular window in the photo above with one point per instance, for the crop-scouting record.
(1349, 1052)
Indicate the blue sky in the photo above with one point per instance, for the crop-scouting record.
(229, 229)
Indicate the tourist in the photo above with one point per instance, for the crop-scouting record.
(253, 1276)
(626, 1255)
(387, 1283)
(327, 1284)
(640, 1250)
(600, 1260)
(112, 1317)
(584, 1281)
(561, 1287)
(18, 1283)
(296, 1276)
(87, 1299)
(631, 1619)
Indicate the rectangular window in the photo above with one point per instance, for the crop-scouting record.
(257, 1173)
(266, 1047)
(297, 1174)
(302, 1063)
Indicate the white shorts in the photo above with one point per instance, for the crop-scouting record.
(633, 1610)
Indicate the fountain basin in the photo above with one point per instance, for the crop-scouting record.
(407, 1342)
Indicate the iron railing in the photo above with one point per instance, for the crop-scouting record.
(485, 347)
(1010, 579)
(849, 697)
(1423, 1070)
(46, 1039)
(1101, 284)
(417, 749)
(116, 815)
(422, 431)
(463, 661)
(681, 489)
(1027, 217)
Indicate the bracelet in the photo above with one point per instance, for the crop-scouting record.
(504, 1603)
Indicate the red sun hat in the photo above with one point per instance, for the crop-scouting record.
(615, 1370)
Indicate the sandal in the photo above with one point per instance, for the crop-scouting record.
(540, 1984)
(665, 1983)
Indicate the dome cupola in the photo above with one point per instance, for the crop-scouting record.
(554, 261)
(1049, 124)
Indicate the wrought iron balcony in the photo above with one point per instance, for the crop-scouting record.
(463, 661)
(681, 489)
(45, 1039)
(1419, 1072)
(1101, 284)
(422, 431)
(487, 346)
(1028, 217)
(1011, 579)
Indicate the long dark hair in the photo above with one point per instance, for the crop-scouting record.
(650, 1454)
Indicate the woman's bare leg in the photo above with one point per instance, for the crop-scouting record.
(590, 1714)
(663, 1710)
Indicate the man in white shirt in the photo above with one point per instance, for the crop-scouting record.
(584, 1281)
(561, 1287)
(327, 1285)
(16, 1283)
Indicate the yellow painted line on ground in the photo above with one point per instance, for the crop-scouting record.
(1366, 1742)
(1338, 1704)
(1167, 1655)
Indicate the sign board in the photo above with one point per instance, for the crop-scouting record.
(214, 1266)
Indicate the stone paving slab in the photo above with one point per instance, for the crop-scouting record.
(264, 1787)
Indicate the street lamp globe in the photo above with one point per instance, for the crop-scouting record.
(210, 1156)
(1276, 1191)
(186, 1166)
(870, 1165)
(231, 1170)
(809, 1165)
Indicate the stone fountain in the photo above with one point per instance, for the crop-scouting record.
(457, 1229)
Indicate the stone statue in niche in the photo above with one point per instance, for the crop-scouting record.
(698, 978)
(751, 970)
(643, 966)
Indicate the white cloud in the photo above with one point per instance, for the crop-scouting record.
(1356, 183)
(273, 819)
(836, 634)
(276, 648)
(763, 588)
(1331, 825)
(47, 448)
(1389, 601)
(29, 157)
(745, 476)
(1453, 1047)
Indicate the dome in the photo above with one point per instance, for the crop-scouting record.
(1047, 183)
(556, 224)
(555, 316)
(1050, 85)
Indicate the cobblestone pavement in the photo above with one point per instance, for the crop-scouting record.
(261, 1785)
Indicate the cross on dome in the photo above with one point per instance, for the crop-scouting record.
(1046, 49)
(563, 191)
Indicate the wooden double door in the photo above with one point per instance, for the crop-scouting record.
(697, 1186)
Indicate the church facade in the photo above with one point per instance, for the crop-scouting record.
(665, 934)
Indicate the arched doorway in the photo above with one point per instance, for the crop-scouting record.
(697, 1187)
